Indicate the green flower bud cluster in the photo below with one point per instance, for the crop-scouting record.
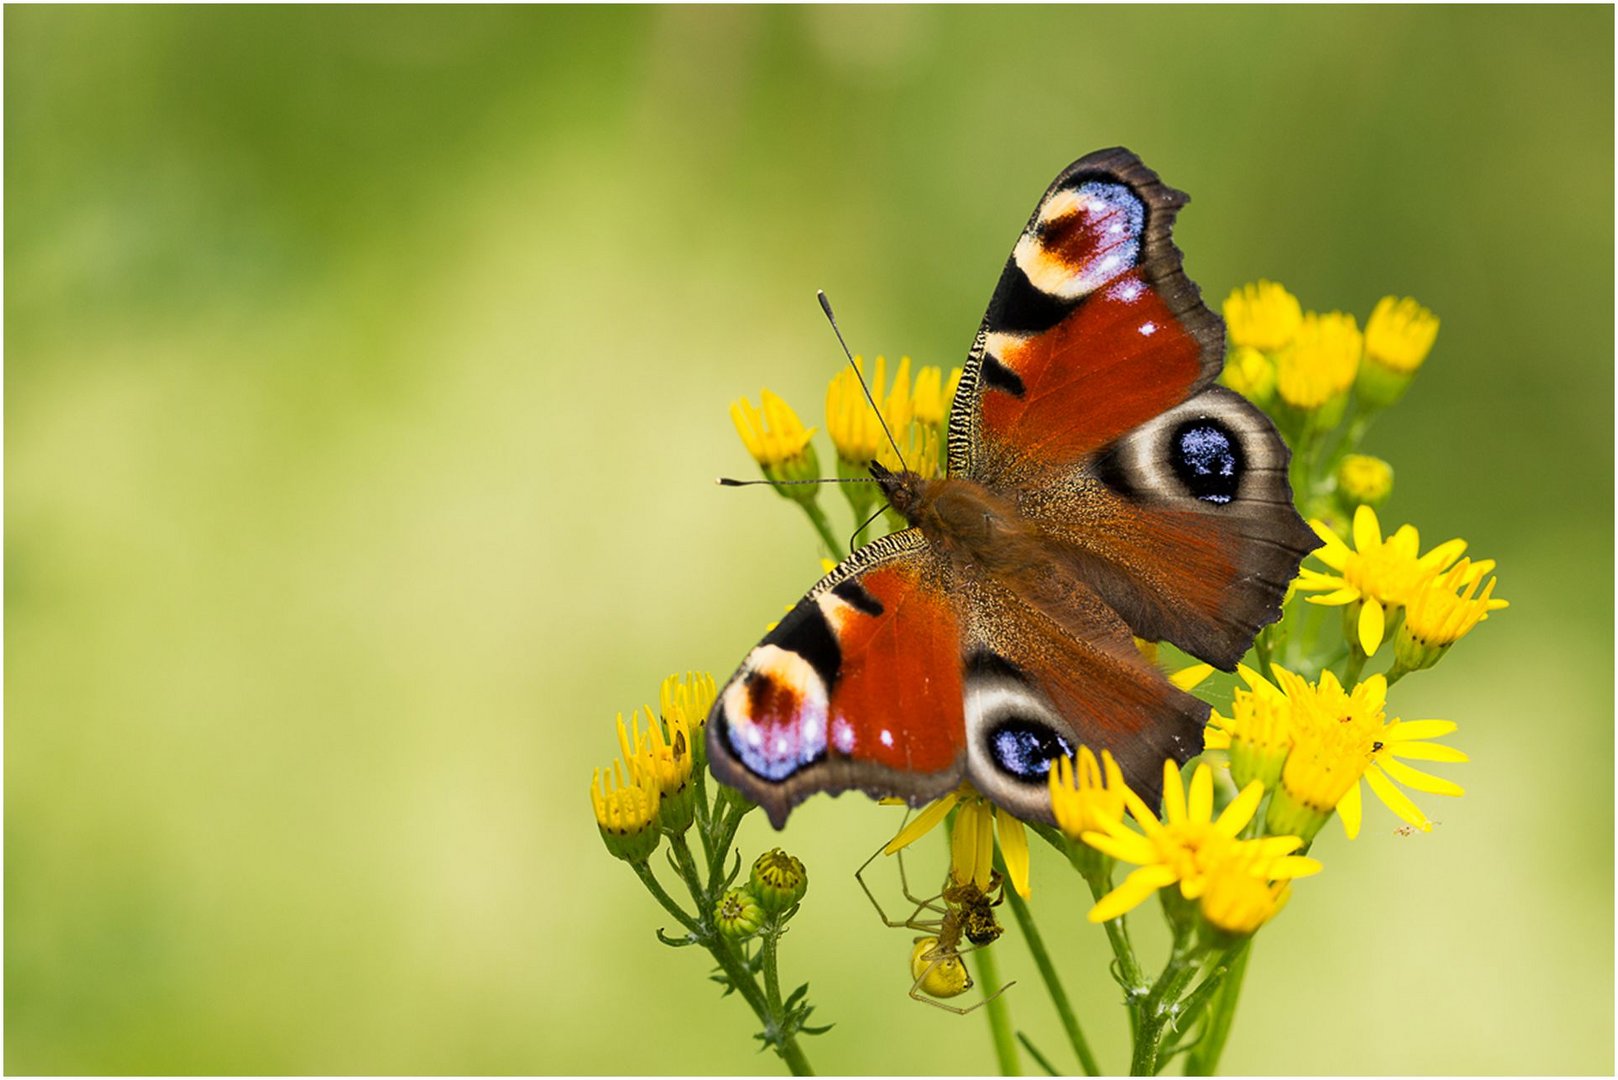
(773, 889)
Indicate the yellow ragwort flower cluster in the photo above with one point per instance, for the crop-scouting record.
(1238, 883)
(1313, 360)
(650, 790)
(1312, 743)
(1376, 578)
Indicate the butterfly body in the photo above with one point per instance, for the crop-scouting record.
(1099, 488)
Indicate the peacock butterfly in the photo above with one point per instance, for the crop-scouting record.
(1099, 485)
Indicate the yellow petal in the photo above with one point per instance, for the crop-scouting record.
(1136, 887)
(1130, 848)
(1371, 623)
(1421, 781)
(1427, 751)
(1348, 808)
(1367, 533)
(1014, 847)
(924, 823)
(985, 847)
(1241, 809)
(1396, 800)
(1189, 678)
(1173, 793)
(1444, 554)
(1199, 806)
(1294, 866)
(1345, 595)
(1400, 730)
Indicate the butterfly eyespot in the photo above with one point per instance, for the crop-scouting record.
(1208, 459)
(1025, 749)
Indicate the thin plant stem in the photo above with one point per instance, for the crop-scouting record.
(1053, 983)
(1098, 875)
(822, 526)
(999, 1013)
(1161, 1007)
(1204, 1060)
(787, 1042)
(1033, 1052)
(655, 887)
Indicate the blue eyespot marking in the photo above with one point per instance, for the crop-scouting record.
(1025, 750)
(1208, 460)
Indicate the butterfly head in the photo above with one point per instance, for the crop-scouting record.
(904, 490)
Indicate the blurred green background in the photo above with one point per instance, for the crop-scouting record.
(366, 376)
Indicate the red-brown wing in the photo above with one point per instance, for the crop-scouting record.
(1093, 328)
(1088, 398)
(1052, 668)
(860, 686)
(1185, 526)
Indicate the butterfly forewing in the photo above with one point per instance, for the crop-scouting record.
(860, 686)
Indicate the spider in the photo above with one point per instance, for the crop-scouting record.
(962, 910)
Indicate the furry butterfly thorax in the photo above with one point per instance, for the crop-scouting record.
(1099, 488)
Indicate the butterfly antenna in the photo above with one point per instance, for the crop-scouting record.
(727, 481)
(853, 541)
(825, 305)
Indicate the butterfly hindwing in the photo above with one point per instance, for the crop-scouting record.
(860, 686)
(1052, 667)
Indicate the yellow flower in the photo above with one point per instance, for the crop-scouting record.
(1341, 736)
(688, 699)
(1258, 731)
(1399, 335)
(919, 445)
(1241, 896)
(1086, 794)
(626, 813)
(1188, 844)
(1263, 316)
(1443, 610)
(1318, 368)
(930, 406)
(972, 838)
(774, 438)
(779, 442)
(1251, 374)
(1376, 574)
(1362, 478)
(667, 759)
(854, 427)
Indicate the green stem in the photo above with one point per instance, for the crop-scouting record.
(1355, 665)
(725, 832)
(655, 887)
(1033, 1052)
(823, 527)
(787, 1043)
(765, 1005)
(1204, 1060)
(1161, 1010)
(1053, 984)
(1005, 1040)
(1099, 877)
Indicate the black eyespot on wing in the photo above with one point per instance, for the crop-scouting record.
(1000, 377)
(855, 595)
(1024, 749)
(1208, 459)
(806, 632)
